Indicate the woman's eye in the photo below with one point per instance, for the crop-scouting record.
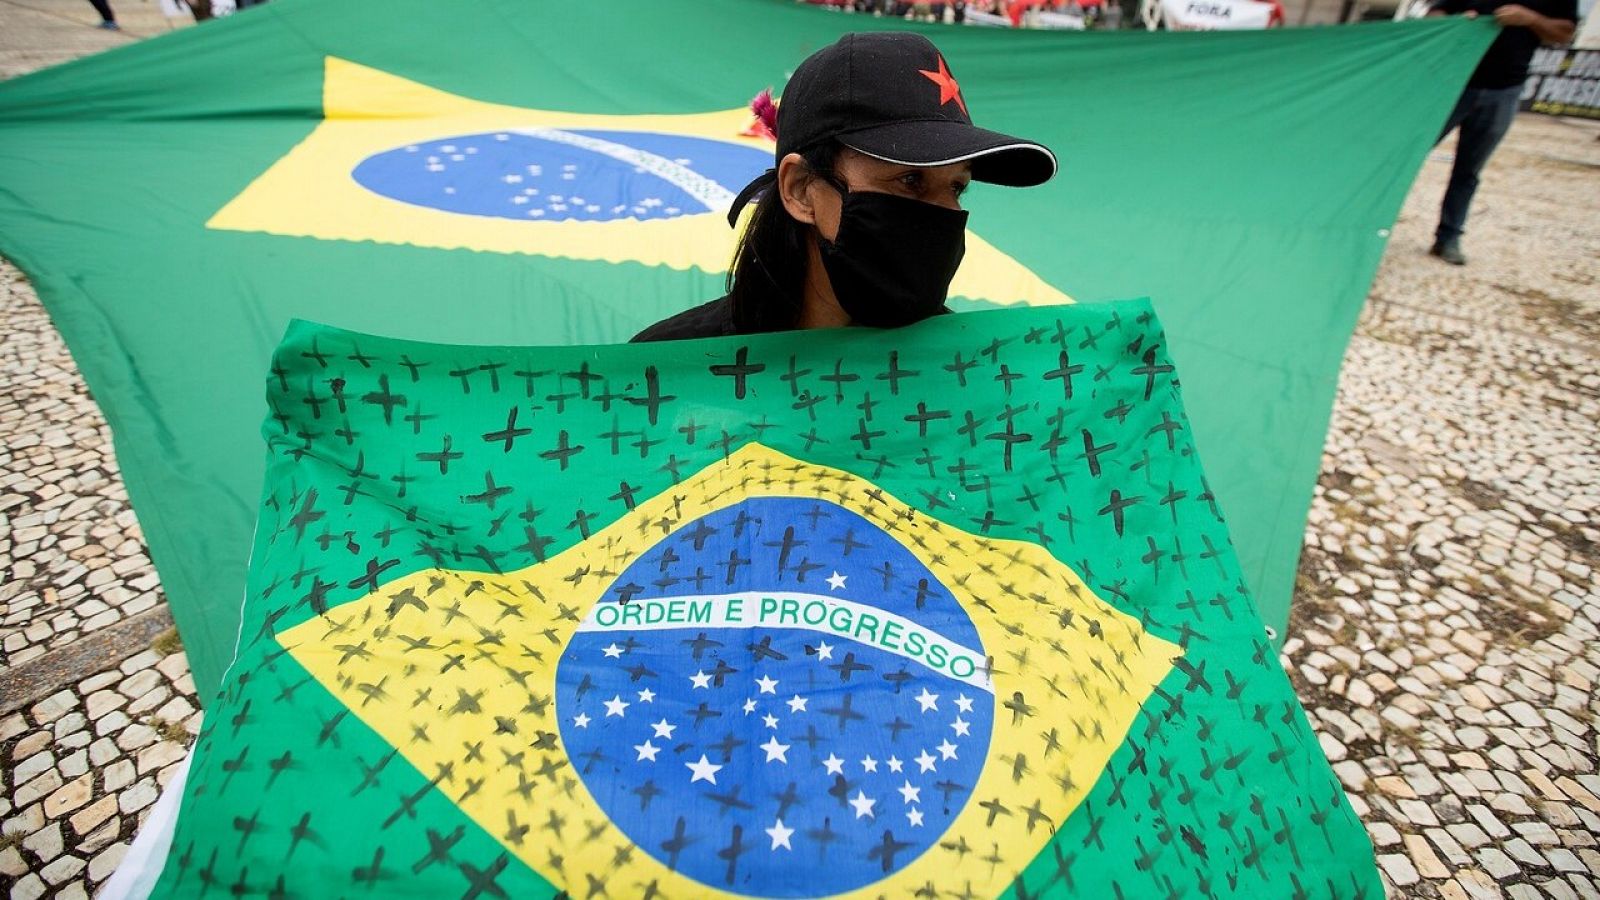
(960, 188)
(912, 180)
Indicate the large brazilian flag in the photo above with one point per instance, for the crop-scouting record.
(557, 173)
(944, 611)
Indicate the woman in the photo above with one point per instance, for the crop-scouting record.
(875, 147)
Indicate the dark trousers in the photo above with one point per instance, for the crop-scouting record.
(104, 9)
(1484, 116)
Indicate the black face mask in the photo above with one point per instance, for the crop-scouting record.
(892, 260)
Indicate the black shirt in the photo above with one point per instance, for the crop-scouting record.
(714, 319)
(1506, 62)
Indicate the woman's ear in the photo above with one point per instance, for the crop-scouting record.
(794, 182)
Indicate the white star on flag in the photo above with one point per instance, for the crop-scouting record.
(914, 816)
(928, 702)
(647, 696)
(775, 750)
(797, 703)
(962, 726)
(780, 836)
(911, 794)
(612, 651)
(581, 720)
(895, 764)
(834, 765)
(770, 720)
(767, 685)
(862, 804)
(701, 679)
(749, 707)
(868, 764)
(964, 703)
(836, 581)
(704, 770)
(824, 650)
(646, 750)
(663, 729)
(947, 750)
(616, 706)
(926, 761)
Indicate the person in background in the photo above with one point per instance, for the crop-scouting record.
(1489, 103)
(859, 221)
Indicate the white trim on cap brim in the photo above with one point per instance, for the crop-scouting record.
(1054, 165)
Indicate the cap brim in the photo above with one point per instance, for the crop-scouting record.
(996, 158)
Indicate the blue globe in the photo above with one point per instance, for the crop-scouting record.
(554, 175)
(803, 751)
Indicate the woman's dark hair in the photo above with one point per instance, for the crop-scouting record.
(766, 282)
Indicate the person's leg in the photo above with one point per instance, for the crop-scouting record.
(1463, 103)
(1443, 247)
(108, 19)
(1481, 130)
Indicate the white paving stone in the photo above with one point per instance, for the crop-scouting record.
(105, 862)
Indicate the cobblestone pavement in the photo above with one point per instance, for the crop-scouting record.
(1444, 628)
(76, 563)
(39, 33)
(1443, 638)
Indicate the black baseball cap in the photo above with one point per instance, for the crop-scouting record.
(890, 95)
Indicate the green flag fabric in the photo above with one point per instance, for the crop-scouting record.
(946, 610)
(556, 173)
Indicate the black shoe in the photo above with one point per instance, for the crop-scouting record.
(1449, 251)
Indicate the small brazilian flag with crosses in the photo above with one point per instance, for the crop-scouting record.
(942, 611)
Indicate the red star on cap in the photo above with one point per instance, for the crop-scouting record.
(948, 89)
